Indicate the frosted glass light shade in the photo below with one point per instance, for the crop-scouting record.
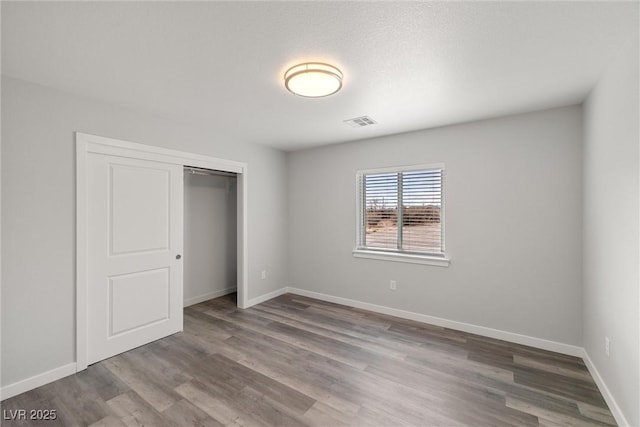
(313, 79)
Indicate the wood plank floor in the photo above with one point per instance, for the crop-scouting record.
(295, 361)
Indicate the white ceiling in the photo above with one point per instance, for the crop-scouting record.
(407, 65)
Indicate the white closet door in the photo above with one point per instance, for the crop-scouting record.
(134, 253)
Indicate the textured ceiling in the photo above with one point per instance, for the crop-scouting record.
(407, 65)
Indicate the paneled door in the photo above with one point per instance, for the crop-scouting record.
(134, 250)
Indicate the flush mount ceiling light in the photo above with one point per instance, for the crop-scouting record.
(313, 79)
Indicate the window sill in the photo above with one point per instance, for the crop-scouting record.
(400, 257)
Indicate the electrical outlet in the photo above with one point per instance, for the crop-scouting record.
(263, 275)
(607, 346)
(393, 285)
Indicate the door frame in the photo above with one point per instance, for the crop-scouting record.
(85, 144)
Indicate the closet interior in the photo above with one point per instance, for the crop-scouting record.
(210, 234)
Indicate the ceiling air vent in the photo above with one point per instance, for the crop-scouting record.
(359, 122)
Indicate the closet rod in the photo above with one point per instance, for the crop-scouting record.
(200, 171)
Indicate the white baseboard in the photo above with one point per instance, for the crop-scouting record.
(208, 296)
(558, 347)
(606, 393)
(37, 381)
(267, 297)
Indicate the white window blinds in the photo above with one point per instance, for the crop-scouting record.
(401, 211)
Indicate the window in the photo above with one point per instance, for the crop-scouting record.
(401, 214)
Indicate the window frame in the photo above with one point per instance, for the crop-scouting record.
(387, 254)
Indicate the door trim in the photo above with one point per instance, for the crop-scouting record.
(85, 144)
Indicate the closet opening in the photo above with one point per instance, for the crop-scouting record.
(210, 235)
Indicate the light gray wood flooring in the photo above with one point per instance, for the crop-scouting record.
(296, 361)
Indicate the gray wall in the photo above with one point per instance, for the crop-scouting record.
(209, 237)
(38, 218)
(513, 224)
(611, 240)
